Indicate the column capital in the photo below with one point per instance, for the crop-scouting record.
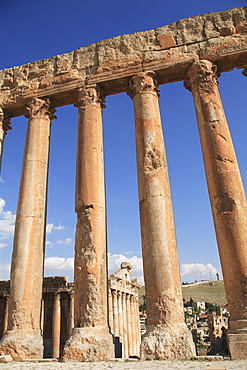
(203, 74)
(39, 108)
(143, 82)
(57, 295)
(5, 121)
(71, 294)
(90, 94)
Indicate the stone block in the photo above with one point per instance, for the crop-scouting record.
(237, 345)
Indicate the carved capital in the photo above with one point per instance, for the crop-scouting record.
(114, 293)
(202, 74)
(40, 108)
(143, 82)
(56, 295)
(90, 94)
(5, 121)
(71, 294)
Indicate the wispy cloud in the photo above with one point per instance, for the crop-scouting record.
(7, 221)
(2, 180)
(49, 243)
(66, 241)
(3, 245)
(51, 227)
(59, 266)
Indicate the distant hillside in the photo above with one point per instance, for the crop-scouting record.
(207, 291)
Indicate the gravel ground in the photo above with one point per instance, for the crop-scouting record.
(128, 365)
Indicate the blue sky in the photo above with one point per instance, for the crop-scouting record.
(33, 30)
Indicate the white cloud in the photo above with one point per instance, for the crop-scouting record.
(3, 245)
(4, 271)
(49, 243)
(115, 260)
(51, 227)
(66, 241)
(59, 227)
(7, 221)
(198, 270)
(2, 180)
(59, 266)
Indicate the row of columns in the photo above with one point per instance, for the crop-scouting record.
(124, 323)
(166, 335)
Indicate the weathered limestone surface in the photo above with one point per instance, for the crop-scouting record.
(90, 273)
(166, 330)
(169, 51)
(227, 198)
(23, 339)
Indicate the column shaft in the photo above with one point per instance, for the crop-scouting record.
(56, 326)
(90, 274)
(26, 277)
(227, 197)
(120, 319)
(115, 314)
(160, 259)
(133, 326)
(71, 312)
(125, 328)
(129, 325)
(110, 312)
(5, 318)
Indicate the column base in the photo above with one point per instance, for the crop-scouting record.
(22, 345)
(237, 343)
(89, 344)
(162, 342)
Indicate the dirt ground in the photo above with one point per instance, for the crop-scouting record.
(128, 365)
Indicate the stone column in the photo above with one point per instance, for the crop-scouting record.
(91, 339)
(165, 318)
(56, 326)
(133, 326)
(138, 327)
(42, 315)
(5, 318)
(120, 318)
(115, 314)
(71, 312)
(110, 313)
(129, 325)
(4, 127)
(23, 337)
(125, 328)
(227, 197)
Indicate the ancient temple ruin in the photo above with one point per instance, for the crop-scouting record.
(196, 50)
(57, 313)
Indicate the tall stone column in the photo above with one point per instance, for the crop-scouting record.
(71, 312)
(125, 327)
(56, 326)
(4, 127)
(227, 197)
(167, 335)
(91, 339)
(138, 327)
(110, 313)
(133, 326)
(115, 313)
(129, 325)
(23, 337)
(5, 318)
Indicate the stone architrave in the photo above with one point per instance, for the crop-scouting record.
(167, 335)
(23, 338)
(91, 339)
(227, 197)
(56, 326)
(4, 127)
